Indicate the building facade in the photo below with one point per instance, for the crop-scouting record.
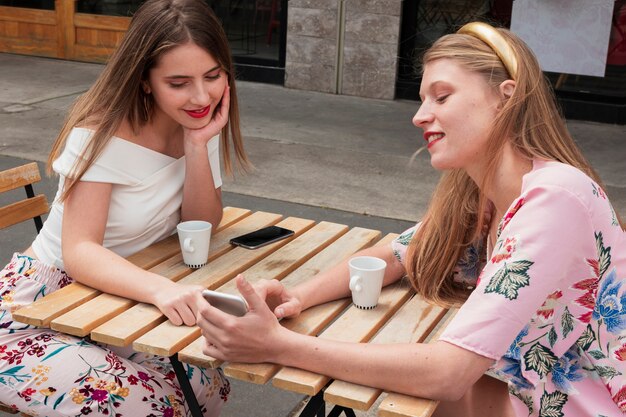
(367, 48)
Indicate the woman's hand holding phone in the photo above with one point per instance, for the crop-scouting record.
(255, 337)
(231, 304)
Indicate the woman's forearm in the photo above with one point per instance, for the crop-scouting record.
(438, 371)
(201, 200)
(95, 266)
(334, 283)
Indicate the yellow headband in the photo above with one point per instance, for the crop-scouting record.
(496, 41)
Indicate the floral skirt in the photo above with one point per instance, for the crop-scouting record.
(47, 373)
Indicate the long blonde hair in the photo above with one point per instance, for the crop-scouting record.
(157, 27)
(529, 120)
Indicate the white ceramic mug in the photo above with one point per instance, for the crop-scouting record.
(366, 280)
(194, 237)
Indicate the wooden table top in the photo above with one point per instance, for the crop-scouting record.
(400, 317)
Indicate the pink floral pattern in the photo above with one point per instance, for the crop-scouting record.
(550, 307)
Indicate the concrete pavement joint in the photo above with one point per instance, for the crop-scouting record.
(16, 108)
(43, 99)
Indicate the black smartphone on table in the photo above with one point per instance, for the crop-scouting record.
(261, 237)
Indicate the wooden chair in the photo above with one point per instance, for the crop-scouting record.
(32, 207)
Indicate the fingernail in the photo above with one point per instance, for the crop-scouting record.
(280, 312)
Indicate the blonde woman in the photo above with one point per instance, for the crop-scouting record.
(519, 231)
(138, 153)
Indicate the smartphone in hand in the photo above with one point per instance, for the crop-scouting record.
(262, 237)
(231, 304)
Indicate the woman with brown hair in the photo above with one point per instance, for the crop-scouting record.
(519, 231)
(138, 153)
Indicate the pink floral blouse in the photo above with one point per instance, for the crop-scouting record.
(550, 303)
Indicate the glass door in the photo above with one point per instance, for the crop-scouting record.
(601, 99)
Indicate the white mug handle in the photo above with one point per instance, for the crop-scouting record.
(355, 283)
(187, 245)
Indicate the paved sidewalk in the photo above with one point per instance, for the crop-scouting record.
(339, 152)
(319, 156)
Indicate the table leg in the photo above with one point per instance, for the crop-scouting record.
(316, 407)
(337, 410)
(185, 386)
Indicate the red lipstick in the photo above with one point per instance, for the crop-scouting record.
(199, 114)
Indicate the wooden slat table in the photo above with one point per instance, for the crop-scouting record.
(400, 316)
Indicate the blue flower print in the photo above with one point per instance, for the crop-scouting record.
(470, 264)
(514, 349)
(511, 370)
(610, 307)
(567, 370)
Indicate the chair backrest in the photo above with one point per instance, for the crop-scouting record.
(32, 207)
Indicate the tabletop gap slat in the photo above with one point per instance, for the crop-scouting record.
(400, 405)
(167, 339)
(313, 320)
(41, 312)
(354, 325)
(140, 318)
(411, 324)
(92, 313)
(338, 249)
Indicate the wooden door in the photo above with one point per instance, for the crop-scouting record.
(60, 33)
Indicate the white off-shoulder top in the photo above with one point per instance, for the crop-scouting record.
(146, 197)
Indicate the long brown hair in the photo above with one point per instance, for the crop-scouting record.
(529, 120)
(157, 27)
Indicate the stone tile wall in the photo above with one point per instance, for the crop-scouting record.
(311, 58)
(367, 64)
(370, 49)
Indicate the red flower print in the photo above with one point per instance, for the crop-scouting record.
(509, 215)
(100, 395)
(44, 337)
(547, 309)
(620, 399)
(620, 354)
(595, 267)
(143, 376)
(25, 343)
(590, 286)
(115, 362)
(586, 318)
(13, 356)
(26, 394)
(36, 350)
(86, 390)
(225, 390)
(588, 299)
(132, 380)
(3, 348)
(168, 412)
(505, 250)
